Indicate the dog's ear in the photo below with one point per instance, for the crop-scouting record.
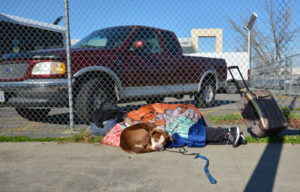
(170, 138)
(159, 132)
(153, 132)
(169, 141)
(165, 134)
(155, 135)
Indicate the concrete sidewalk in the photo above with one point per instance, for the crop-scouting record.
(93, 167)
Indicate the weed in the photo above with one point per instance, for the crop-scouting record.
(230, 116)
(290, 113)
(84, 136)
(81, 137)
(29, 139)
(293, 139)
(219, 119)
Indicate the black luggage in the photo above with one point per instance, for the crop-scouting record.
(260, 110)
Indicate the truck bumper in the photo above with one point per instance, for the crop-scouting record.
(39, 93)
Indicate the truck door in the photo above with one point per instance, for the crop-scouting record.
(143, 67)
(173, 60)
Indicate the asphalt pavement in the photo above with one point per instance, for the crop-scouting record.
(93, 167)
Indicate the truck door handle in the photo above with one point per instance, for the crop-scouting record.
(118, 62)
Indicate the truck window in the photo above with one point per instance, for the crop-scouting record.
(170, 41)
(109, 38)
(149, 37)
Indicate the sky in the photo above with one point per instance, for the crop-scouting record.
(178, 16)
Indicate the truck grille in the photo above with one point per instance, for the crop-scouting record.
(13, 70)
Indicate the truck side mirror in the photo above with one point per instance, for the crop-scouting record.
(138, 45)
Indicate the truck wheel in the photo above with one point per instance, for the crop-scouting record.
(155, 100)
(90, 96)
(231, 88)
(32, 114)
(206, 96)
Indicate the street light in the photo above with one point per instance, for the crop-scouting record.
(252, 21)
(58, 19)
(249, 28)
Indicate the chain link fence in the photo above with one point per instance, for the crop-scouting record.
(138, 52)
(281, 77)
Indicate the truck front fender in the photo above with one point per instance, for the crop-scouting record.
(106, 70)
(208, 74)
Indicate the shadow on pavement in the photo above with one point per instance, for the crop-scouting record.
(64, 118)
(289, 132)
(264, 174)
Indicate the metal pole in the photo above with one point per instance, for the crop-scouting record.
(264, 75)
(285, 77)
(249, 48)
(291, 69)
(249, 28)
(249, 54)
(274, 74)
(68, 45)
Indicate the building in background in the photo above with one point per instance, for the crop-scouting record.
(190, 46)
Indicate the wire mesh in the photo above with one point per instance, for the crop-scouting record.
(140, 52)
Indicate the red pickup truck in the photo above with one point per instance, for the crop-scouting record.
(124, 63)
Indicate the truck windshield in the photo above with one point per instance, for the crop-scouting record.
(110, 38)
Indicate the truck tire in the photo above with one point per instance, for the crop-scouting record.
(206, 96)
(32, 114)
(90, 96)
(231, 88)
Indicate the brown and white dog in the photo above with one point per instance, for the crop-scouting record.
(143, 138)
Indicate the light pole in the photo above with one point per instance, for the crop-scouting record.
(249, 28)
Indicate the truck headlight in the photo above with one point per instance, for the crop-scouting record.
(49, 68)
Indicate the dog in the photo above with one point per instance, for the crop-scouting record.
(143, 138)
(160, 138)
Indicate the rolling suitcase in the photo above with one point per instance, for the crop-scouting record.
(260, 110)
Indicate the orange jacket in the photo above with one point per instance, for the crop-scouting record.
(148, 113)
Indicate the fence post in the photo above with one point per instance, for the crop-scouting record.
(68, 45)
(274, 75)
(291, 67)
(264, 83)
(285, 77)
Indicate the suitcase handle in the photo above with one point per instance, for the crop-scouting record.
(258, 94)
(236, 84)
